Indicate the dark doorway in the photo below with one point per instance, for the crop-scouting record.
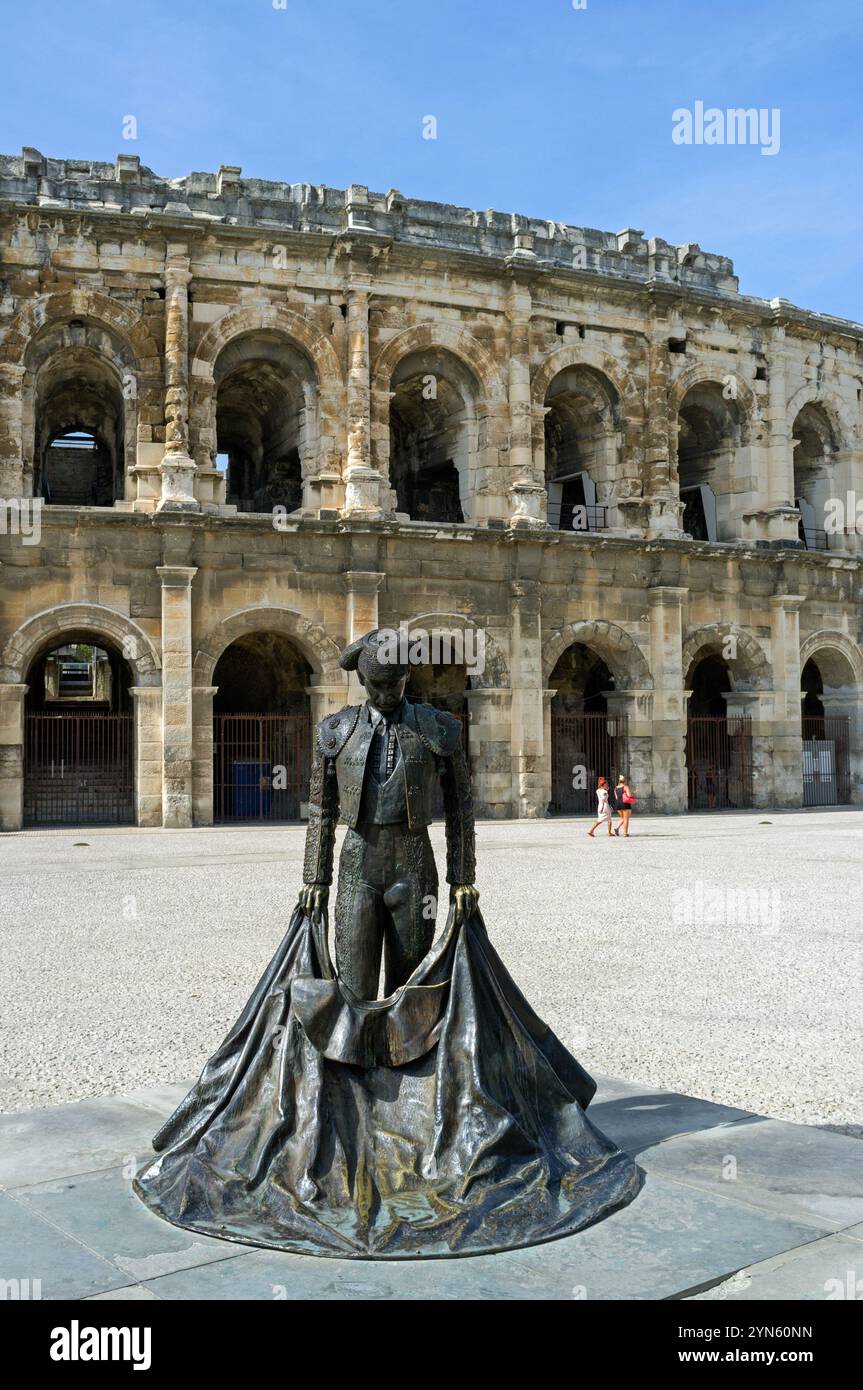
(79, 738)
(585, 740)
(718, 745)
(262, 731)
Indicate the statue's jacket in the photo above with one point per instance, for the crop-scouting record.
(430, 747)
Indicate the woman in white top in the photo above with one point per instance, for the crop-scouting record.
(603, 810)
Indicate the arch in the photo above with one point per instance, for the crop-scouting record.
(583, 355)
(446, 337)
(53, 624)
(321, 652)
(270, 318)
(52, 310)
(749, 667)
(704, 374)
(840, 419)
(826, 640)
(495, 672)
(621, 654)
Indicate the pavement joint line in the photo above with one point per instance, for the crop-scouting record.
(800, 1220)
(714, 1283)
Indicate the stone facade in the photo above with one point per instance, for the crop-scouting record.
(318, 411)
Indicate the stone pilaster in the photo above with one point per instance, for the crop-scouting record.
(147, 702)
(177, 727)
(664, 509)
(177, 468)
(202, 753)
(531, 755)
(489, 712)
(12, 756)
(776, 518)
(362, 482)
(13, 483)
(665, 604)
(787, 753)
(361, 588)
(526, 489)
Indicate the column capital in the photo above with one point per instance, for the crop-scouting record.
(363, 581)
(789, 603)
(667, 595)
(176, 576)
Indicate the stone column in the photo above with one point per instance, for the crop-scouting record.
(177, 728)
(147, 701)
(664, 508)
(12, 756)
(787, 754)
(12, 480)
(530, 754)
(526, 489)
(177, 468)
(665, 603)
(202, 753)
(362, 482)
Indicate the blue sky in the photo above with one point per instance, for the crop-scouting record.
(541, 109)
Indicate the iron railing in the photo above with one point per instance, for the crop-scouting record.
(261, 766)
(719, 762)
(826, 760)
(583, 747)
(78, 769)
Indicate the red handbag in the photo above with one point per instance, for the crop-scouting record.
(629, 800)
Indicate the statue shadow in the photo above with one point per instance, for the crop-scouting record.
(639, 1120)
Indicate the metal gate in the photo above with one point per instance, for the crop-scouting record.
(826, 760)
(78, 769)
(719, 762)
(584, 747)
(261, 766)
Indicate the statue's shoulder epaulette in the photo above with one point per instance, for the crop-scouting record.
(336, 729)
(439, 730)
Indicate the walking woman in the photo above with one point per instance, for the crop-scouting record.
(603, 810)
(625, 800)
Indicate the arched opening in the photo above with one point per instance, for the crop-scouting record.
(79, 443)
(265, 421)
(581, 426)
(709, 432)
(718, 744)
(828, 692)
(443, 685)
(814, 453)
(586, 741)
(433, 437)
(79, 736)
(262, 730)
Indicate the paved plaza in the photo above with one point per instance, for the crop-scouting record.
(707, 971)
(715, 955)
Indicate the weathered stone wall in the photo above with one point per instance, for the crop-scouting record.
(139, 297)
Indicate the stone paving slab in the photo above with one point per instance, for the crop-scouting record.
(60, 1140)
(787, 1224)
(807, 1174)
(830, 1268)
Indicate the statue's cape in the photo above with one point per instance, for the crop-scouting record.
(445, 1120)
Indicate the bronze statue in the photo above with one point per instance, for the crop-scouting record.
(443, 1119)
(378, 764)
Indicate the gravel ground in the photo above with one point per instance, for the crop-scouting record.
(715, 955)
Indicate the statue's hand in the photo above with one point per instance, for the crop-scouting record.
(313, 900)
(465, 897)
